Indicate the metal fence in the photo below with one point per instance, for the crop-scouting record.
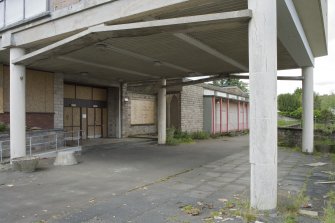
(38, 145)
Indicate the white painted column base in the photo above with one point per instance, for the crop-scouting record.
(162, 114)
(17, 106)
(308, 110)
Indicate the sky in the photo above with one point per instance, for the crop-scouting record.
(324, 70)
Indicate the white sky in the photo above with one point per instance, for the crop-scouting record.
(324, 71)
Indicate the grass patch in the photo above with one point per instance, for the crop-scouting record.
(234, 209)
(191, 210)
(200, 135)
(329, 213)
(3, 127)
(286, 123)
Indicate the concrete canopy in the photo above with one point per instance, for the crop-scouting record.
(185, 38)
(169, 48)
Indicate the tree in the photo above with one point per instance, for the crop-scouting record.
(230, 83)
(288, 102)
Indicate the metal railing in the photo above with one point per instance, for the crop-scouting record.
(40, 144)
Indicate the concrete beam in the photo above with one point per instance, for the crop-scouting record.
(107, 67)
(144, 58)
(99, 33)
(65, 22)
(192, 41)
(292, 35)
(280, 78)
(263, 104)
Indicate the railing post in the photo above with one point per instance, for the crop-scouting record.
(56, 142)
(1, 152)
(78, 138)
(30, 145)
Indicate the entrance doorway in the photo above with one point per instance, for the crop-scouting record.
(85, 110)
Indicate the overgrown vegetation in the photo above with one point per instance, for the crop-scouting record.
(290, 105)
(176, 137)
(287, 123)
(329, 211)
(3, 127)
(234, 209)
(232, 82)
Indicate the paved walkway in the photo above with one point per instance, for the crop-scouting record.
(141, 182)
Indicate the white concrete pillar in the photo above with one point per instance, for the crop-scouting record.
(17, 105)
(263, 104)
(162, 113)
(308, 110)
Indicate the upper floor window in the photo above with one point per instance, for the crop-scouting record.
(13, 11)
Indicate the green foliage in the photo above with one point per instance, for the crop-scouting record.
(231, 82)
(3, 127)
(329, 213)
(200, 135)
(288, 102)
(326, 116)
(328, 101)
(176, 137)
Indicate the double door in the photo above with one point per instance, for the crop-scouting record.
(91, 121)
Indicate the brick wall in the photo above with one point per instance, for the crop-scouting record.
(40, 120)
(127, 128)
(192, 107)
(58, 100)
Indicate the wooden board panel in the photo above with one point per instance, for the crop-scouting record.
(104, 123)
(68, 129)
(69, 91)
(97, 133)
(76, 116)
(99, 94)
(143, 112)
(35, 92)
(90, 116)
(75, 131)
(67, 116)
(98, 117)
(84, 122)
(90, 132)
(49, 92)
(83, 92)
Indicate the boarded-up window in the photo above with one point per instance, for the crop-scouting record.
(99, 94)
(143, 112)
(83, 92)
(69, 91)
(39, 91)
